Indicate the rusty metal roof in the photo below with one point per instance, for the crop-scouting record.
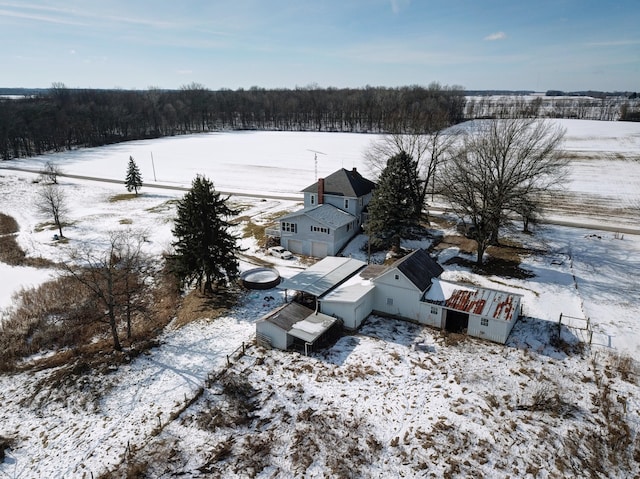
(471, 299)
(484, 302)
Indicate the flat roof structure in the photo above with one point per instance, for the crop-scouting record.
(323, 276)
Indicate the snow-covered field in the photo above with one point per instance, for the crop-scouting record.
(393, 400)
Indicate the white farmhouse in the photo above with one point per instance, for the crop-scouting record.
(334, 209)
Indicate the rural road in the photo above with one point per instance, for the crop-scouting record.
(550, 221)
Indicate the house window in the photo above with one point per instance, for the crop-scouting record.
(389, 301)
(484, 322)
(434, 310)
(289, 227)
(348, 226)
(397, 276)
(319, 229)
(346, 204)
(313, 199)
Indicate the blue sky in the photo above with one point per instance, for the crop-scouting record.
(477, 44)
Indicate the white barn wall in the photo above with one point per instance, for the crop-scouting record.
(351, 313)
(279, 337)
(435, 320)
(404, 296)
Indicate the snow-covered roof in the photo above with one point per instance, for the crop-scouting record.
(350, 291)
(325, 214)
(490, 303)
(312, 327)
(323, 276)
(299, 321)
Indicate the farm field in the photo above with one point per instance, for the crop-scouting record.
(395, 399)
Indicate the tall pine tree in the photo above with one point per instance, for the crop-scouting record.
(393, 210)
(205, 249)
(134, 179)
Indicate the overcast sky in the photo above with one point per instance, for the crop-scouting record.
(478, 44)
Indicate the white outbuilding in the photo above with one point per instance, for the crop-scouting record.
(294, 325)
(481, 312)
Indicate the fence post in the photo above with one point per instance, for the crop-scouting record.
(559, 323)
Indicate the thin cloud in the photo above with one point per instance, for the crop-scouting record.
(397, 5)
(496, 36)
(614, 43)
(39, 18)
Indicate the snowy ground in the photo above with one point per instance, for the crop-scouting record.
(393, 404)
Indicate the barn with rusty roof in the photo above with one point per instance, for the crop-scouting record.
(481, 312)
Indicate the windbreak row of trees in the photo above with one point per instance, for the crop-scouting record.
(605, 108)
(66, 118)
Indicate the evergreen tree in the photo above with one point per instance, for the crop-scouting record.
(393, 210)
(205, 250)
(134, 179)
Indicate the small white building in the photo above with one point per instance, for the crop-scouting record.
(293, 324)
(481, 312)
(352, 301)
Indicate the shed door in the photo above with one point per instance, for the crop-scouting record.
(456, 321)
(318, 249)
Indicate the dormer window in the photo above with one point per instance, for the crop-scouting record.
(346, 204)
(313, 199)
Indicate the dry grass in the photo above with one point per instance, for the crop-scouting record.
(122, 197)
(59, 314)
(465, 245)
(8, 224)
(197, 305)
(10, 252)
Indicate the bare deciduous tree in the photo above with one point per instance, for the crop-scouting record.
(51, 172)
(498, 164)
(429, 152)
(52, 201)
(114, 276)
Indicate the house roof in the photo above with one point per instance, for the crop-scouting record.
(323, 276)
(324, 214)
(344, 183)
(419, 268)
(484, 302)
(299, 321)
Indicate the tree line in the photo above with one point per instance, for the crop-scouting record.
(62, 118)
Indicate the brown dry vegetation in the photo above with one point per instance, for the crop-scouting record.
(197, 305)
(8, 225)
(62, 318)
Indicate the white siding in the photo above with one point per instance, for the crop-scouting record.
(351, 313)
(396, 295)
(278, 337)
(431, 315)
(496, 329)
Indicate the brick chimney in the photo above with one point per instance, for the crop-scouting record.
(320, 191)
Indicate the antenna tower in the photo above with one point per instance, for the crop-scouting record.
(315, 160)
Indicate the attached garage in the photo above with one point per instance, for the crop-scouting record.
(295, 246)
(319, 249)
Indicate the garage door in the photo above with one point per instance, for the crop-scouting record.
(319, 250)
(295, 246)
